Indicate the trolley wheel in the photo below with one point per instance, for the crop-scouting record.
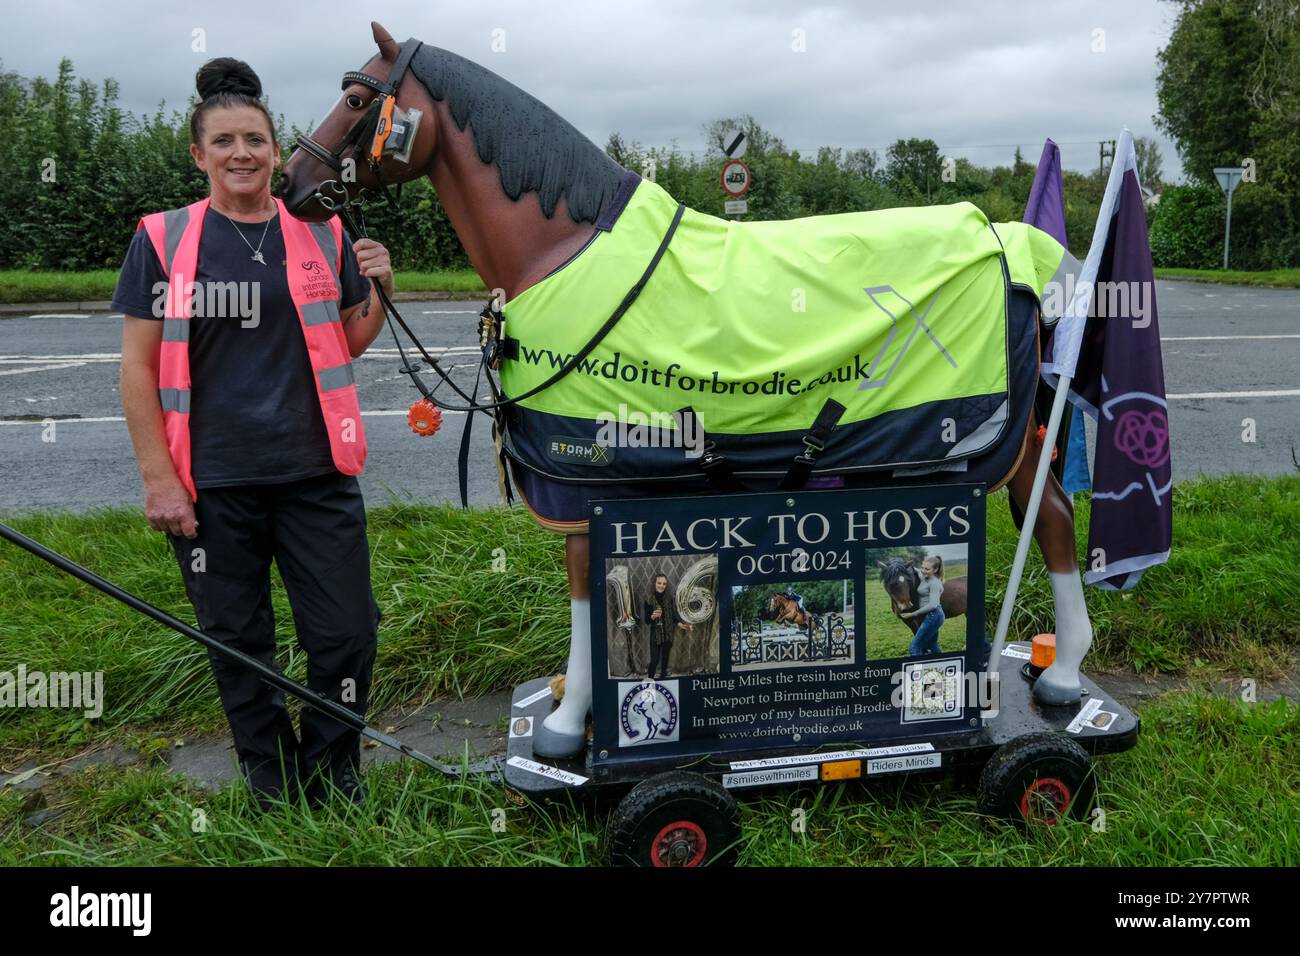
(677, 818)
(1037, 780)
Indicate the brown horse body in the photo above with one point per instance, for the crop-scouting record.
(513, 243)
(786, 611)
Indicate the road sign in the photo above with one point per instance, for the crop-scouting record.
(736, 178)
(735, 207)
(1229, 177)
(734, 143)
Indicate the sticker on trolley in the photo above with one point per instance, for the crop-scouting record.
(648, 713)
(534, 698)
(547, 771)
(521, 727)
(1018, 651)
(1090, 717)
(932, 690)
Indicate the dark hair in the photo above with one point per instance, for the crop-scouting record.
(226, 82)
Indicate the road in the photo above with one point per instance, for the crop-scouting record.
(1230, 354)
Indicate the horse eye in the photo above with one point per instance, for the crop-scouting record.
(353, 101)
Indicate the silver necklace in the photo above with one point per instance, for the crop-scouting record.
(257, 253)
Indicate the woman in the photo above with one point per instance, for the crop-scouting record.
(663, 622)
(243, 414)
(930, 590)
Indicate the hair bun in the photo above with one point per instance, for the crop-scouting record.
(227, 75)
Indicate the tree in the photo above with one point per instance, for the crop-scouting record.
(1205, 82)
(914, 168)
(1150, 170)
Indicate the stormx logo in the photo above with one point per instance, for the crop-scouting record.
(76, 909)
(626, 429)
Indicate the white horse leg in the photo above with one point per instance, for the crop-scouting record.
(564, 731)
(1054, 532)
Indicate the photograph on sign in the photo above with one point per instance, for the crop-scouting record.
(662, 616)
(726, 623)
(911, 608)
(792, 624)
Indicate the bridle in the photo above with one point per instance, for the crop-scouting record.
(383, 129)
(388, 130)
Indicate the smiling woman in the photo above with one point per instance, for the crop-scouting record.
(246, 423)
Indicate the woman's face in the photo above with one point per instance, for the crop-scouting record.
(661, 585)
(927, 568)
(237, 153)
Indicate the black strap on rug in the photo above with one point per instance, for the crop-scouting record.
(813, 444)
(714, 464)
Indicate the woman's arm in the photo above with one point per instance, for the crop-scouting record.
(933, 588)
(363, 322)
(167, 505)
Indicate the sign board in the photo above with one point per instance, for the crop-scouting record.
(1229, 177)
(735, 207)
(776, 624)
(734, 143)
(736, 178)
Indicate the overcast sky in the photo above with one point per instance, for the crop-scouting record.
(977, 77)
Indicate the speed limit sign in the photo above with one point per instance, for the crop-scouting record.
(736, 178)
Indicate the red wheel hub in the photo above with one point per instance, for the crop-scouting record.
(680, 843)
(1045, 801)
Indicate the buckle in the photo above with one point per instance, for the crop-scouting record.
(812, 446)
(491, 332)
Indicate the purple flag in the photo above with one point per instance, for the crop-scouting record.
(1109, 341)
(1046, 211)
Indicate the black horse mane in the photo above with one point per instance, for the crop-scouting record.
(533, 147)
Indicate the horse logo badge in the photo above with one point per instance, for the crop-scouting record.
(648, 713)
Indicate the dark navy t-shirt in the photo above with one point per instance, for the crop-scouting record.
(255, 417)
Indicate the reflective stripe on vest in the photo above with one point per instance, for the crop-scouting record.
(312, 259)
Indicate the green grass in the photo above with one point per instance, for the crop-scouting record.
(1211, 782)
(1272, 278)
(453, 626)
(27, 286)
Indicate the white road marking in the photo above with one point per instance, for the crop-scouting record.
(1223, 338)
(117, 356)
(376, 413)
(1269, 393)
(42, 368)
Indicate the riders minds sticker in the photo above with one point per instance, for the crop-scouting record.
(648, 713)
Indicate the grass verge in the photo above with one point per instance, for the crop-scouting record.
(1211, 782)
(18, 285)
(1271, 278)
(454, 626)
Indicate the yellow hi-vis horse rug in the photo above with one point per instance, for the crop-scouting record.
(900, 316)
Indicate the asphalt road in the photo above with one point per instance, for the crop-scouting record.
(1230, 354)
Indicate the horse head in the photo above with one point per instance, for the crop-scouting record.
(375, 136)
(901, 580)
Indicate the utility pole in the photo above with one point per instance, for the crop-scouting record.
(1105, 151)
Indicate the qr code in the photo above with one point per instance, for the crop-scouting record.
(932, 690)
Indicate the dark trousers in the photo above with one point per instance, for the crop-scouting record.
(659, 653)
(315, 531)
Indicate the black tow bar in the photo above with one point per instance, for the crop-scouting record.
(269, 674)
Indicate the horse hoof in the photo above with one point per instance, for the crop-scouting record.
(1053, 694)
(556, 745)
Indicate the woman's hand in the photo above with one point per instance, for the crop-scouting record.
(374, 262)
(168, 507)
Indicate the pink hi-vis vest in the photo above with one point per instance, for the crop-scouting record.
(312, 257)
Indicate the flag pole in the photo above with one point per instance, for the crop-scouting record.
(1030, 519)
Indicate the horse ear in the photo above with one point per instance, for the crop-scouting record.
(883, 565)
(387, 45)
(910, 564)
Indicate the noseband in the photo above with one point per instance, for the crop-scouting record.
(380, 123)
